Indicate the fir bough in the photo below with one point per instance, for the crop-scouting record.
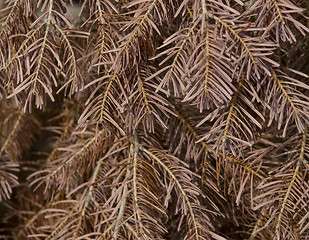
(154, 119)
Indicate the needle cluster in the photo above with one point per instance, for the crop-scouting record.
(154, 119)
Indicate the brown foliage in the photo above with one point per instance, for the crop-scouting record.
(154, 119)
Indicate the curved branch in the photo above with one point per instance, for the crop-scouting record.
(179, 186)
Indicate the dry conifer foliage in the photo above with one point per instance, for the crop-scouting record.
(154, 119)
